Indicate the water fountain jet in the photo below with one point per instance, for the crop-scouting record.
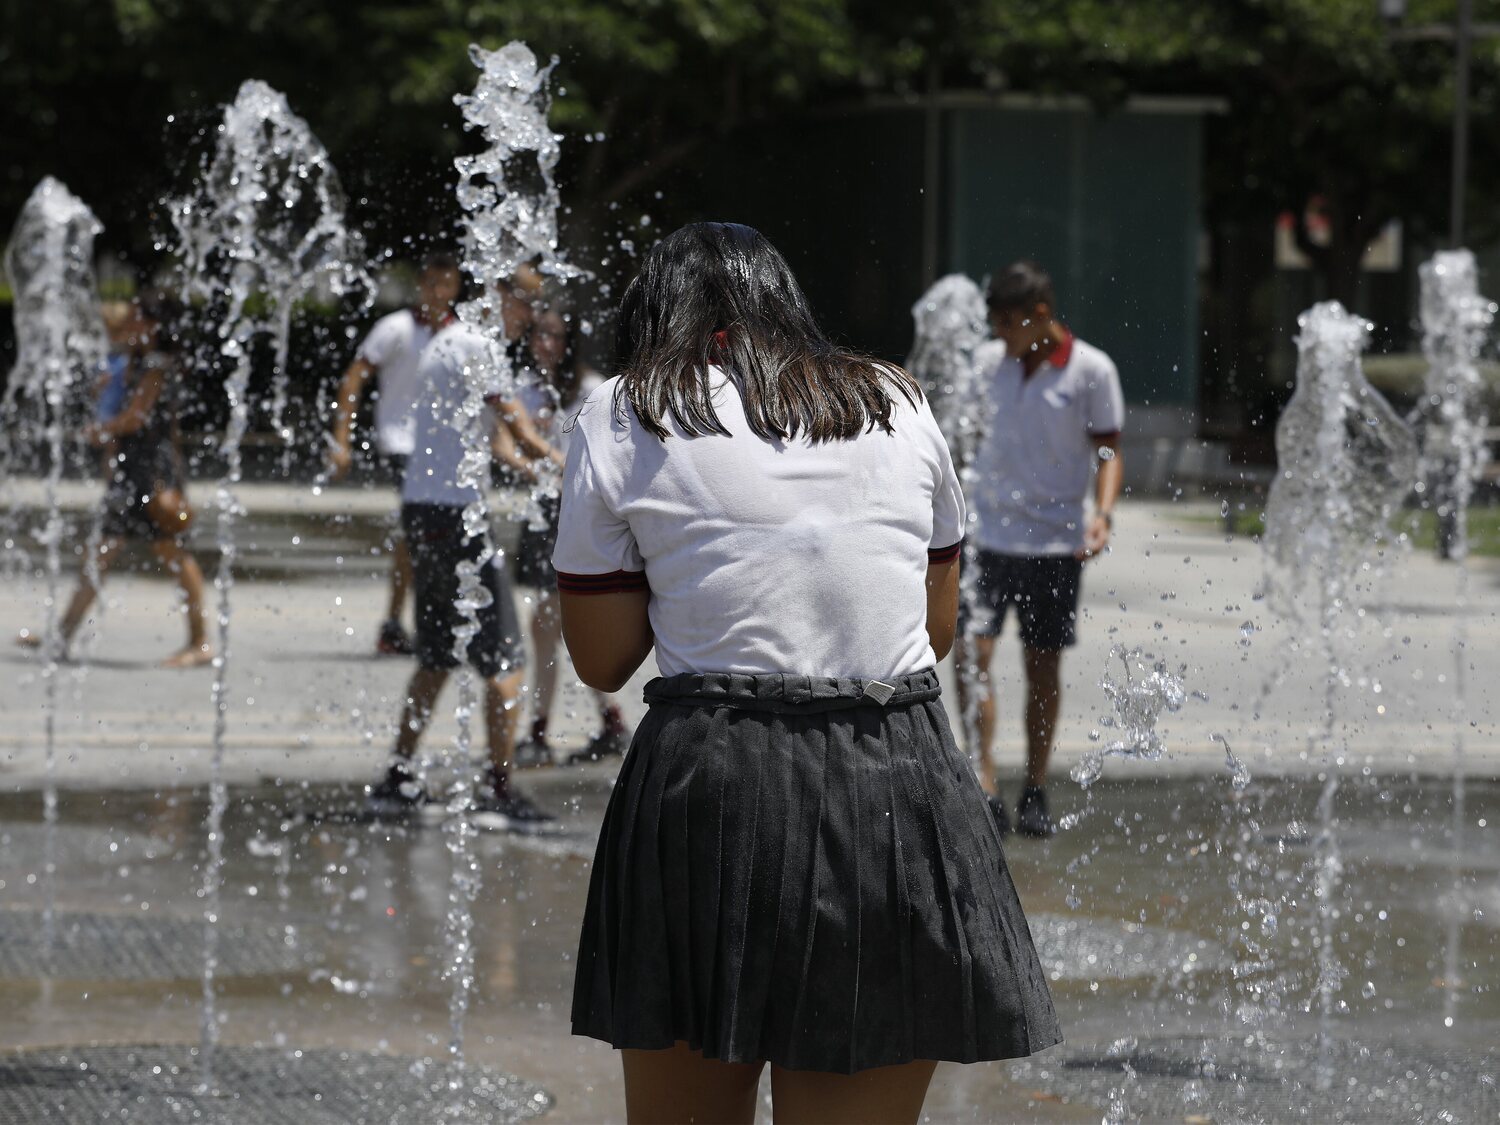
(60, 346)
(1345, 462)
(1455, 325)
(509, 199)
(267, 217)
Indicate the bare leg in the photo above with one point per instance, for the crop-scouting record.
(976, 696)
(1043, 700)
(680, 1085)
(500, 718)
(400, 578)
(184, 567)
(546, 632)
(83, 596)
(421, 693)
(885, 1095)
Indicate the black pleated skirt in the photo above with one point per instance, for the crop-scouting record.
(791, 871)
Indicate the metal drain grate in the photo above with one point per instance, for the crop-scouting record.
(94, 946)
(1281, 1080)
(157, 1085)
(1072, 947)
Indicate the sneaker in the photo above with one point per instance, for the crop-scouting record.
(398, 796)
(1032, 816)
(606, 744)
(394, 641)
(532, 753)
(997, 810)
(512, 812)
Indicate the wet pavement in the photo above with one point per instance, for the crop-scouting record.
(1149, 969)
(1179, 920)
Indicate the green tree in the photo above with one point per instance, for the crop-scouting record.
(1322, 101)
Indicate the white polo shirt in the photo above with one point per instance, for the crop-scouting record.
(432, 472)
(394, 348)
(1032, 471)
(763, 556)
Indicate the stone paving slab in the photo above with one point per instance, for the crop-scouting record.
(1227, 1080)
(159, 1084)
(309, 702)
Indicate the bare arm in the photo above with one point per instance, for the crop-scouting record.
(524, 430)
(1107, 485)
(503, 446)
(351, 390)
(942, 606)
(608, 635)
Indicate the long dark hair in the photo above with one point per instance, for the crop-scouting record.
(720, 293)
(570, 371)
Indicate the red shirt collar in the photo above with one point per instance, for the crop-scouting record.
(1062, 351)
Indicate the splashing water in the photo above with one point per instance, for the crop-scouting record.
(1451, 416)
(59, 346)
(1455, 325)
(510, 203)
(951, 324)
(1239, 773)
(950, 354)
(267, 217)
(1139, 694)
(1346, 461)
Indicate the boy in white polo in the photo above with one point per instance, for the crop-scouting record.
(434, 496)
(1054, 413)
(390, 355)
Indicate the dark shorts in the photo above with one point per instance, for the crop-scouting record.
(134, 481)
(434, 533)
(393, 468)
(534, 553)
(1043, 588)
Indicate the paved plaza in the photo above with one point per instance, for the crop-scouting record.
(333, 930)
(309, 700)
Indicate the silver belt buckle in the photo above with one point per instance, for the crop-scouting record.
(878, 692)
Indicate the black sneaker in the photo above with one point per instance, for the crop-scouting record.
(532, 753)
(399, 796)
(394, 641)
(605, 744)
(512, 812)
(1032, 817)
(997, 810)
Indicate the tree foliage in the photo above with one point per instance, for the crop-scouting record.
(1320, 99)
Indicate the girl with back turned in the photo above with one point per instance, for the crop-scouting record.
(797, 866)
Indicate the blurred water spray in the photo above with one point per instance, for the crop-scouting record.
(1345, 461)
(1451, 417)
(510, 201)
(265, 223)
(60, 348)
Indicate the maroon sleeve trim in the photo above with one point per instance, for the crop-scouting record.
(617, 582)
(1103, 434)
(937, 555)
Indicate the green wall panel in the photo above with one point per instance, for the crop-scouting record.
(1110, 205)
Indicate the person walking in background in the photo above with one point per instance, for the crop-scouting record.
(549, 401)
(145, 495)
(389, 358)
(433, 498)
(797, 865)
(1056, 412)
